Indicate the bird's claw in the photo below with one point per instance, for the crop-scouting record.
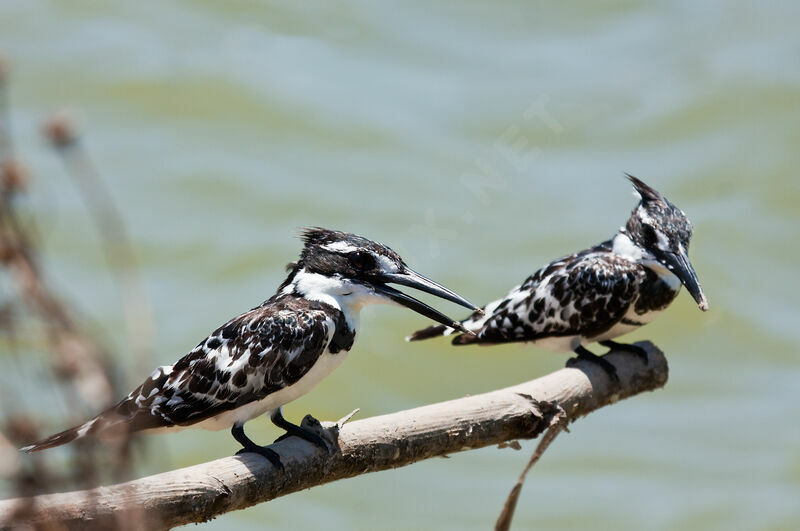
(308, 434)
(268, 453)
(640, 352)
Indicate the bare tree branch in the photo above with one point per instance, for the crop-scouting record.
(557, 425)
(199, 493)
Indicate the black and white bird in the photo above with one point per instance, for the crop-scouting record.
(597, 294)
(266, 357)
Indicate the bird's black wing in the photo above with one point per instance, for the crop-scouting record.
(251, 356)
(478, 322)
(248, 358)
(583, 294)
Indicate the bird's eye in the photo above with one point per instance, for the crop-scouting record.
(361, 261)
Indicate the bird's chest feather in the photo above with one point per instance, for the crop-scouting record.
(656, 292)
(339, 345)
(344, 336)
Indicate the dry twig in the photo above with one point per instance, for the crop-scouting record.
(201, 492)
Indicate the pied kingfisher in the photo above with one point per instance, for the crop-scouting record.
(597, 294)
(276, 352)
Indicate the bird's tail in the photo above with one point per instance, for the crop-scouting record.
(116, 422)
(427, 333)
(474, 322)
(112, 424)
(64, 437)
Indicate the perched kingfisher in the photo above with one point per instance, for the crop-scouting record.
(597, 294)
(276, 352)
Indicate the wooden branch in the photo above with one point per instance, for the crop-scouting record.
(199, 493)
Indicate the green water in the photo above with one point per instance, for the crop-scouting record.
(480, 140)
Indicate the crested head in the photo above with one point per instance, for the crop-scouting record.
(656, 225)
(660, 233)
(348, 271)
(332, 252)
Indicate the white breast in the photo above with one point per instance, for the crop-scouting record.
(559, 343)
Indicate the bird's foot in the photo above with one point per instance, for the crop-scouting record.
(625, 347)
(249, 446)
(607, 366)
(270, 454)
(310, 434)
(306, 435)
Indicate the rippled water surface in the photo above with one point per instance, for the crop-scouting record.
(480, 140)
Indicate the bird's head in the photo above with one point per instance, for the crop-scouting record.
(663, 232)
(357, 271)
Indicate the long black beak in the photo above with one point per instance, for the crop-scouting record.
(679, 264)
(414, 280)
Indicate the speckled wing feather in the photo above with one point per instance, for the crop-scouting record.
(583, 294)
(258, 353)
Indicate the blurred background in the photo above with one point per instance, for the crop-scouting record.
(480, 140)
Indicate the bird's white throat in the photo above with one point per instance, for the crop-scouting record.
(345, 295)
(624, 246)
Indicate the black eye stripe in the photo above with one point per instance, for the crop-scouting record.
(361, 260)
(649, 233)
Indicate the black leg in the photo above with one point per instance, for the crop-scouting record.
(624, 347)
(604, 364)
(249, 446)
(298, 431)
